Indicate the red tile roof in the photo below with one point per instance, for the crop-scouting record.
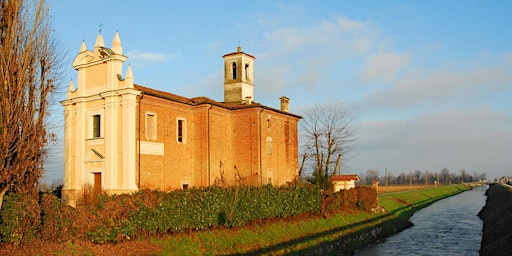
(345, 177)
(204, 100)
(234, 53)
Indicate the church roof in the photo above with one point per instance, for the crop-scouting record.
(205, 100)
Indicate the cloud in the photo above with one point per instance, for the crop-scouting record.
(440, 88)
(478, 139)
(143, 58)
(384, 66)
(336, 36)
(307, 59)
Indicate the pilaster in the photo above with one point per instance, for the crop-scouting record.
(129, 112)
(111, 130)
(78, 174)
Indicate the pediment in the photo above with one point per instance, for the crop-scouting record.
(94, 156)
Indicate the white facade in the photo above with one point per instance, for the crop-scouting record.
(100, 123)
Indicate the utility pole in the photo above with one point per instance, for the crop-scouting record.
(426, 177)
(410, 177)
(386, 174)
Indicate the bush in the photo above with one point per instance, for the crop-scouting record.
(362, 198)
(153, 212)
(19, 218)
(56, 219)
(113, 218)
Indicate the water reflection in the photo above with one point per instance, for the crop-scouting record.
(447, 227)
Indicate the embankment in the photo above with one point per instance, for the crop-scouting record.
(399, 207)
(497, 218)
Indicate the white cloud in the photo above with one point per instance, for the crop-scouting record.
(307, 58)
(384, 66)
(440, 88)
(143, 58)
(340, 35)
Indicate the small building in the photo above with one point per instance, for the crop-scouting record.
(344, 181)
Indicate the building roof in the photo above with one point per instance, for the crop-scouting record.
(239, 51)
(347, 177)
(205, 100)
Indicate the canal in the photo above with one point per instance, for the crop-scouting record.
(447, 227)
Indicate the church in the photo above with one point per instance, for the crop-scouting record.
(120, 137)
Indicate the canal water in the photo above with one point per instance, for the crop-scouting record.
(447, 227)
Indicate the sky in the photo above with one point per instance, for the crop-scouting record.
(429, 82)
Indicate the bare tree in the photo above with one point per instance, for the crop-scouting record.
(418, 176)
(464, 176)
(327, 138)
(371, 175)
(445, 176)
(29, 66)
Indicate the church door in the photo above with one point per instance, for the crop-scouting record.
(97, 183)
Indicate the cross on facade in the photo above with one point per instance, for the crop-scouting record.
(100, 26)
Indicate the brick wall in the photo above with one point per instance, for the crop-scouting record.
(220, 146)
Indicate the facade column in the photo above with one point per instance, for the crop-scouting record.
(68, 188)
(68, 115)
(77, 173)
(111, 133)
(129, 112)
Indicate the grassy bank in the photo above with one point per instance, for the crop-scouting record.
(340, 233)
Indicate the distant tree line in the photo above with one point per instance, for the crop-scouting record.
(423, 177)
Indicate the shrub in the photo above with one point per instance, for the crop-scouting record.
(363, 198)
(19, 218)
(113, 218)
(56, 219)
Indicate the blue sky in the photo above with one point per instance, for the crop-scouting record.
(430, 82)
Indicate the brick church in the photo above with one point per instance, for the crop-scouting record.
(120, 136)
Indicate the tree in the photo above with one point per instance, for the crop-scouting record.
(403, 178)
(327, 138)
(29, 68)
(370, 176)
(445, 175)
(464, 175)
(418, 176)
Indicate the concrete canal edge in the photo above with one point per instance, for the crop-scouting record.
(497, 218)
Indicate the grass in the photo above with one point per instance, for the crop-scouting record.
(305, 235)
(336, 234)
(279, 237)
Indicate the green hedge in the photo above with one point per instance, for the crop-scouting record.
(197, 209)
(129, 216)
(19, 218)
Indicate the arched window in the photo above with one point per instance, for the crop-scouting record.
(247, 71)
(233, 71)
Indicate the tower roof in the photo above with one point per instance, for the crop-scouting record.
(239, 51)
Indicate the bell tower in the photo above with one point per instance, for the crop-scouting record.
(238, 77)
